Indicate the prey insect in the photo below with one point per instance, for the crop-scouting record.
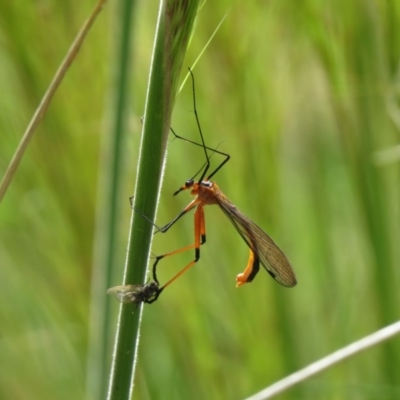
(263, 249)
(136, 294)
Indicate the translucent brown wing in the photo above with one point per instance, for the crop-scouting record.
(270, 255)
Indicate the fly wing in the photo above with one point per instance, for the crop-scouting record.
(270, 255)
(125, 294)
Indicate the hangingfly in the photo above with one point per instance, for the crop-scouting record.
(263, 249)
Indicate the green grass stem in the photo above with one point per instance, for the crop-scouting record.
(111, 167)
(175, 21)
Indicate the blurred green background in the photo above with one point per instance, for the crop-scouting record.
(305, 98)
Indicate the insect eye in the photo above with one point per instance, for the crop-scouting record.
(206, 184)
(189, 183)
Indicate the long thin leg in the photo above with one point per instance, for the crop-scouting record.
(199, 127)
(202, 144)
(172, 253)
(227, 156)
(189, 207)
(164, 228)
(199, 239)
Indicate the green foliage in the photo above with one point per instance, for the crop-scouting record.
(304, 97)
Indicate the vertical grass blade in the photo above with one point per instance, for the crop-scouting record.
(111, 164)
(175, 21)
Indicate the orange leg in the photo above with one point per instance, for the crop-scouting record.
(199, 239)
(253, 265)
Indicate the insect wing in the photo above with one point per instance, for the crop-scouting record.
(125, 294)
(270, 255)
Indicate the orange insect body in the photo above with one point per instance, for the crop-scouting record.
(262, 248)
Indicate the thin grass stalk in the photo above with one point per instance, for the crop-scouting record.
(327, 362)
(174, 25)
(111, 163)
(48, 96)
